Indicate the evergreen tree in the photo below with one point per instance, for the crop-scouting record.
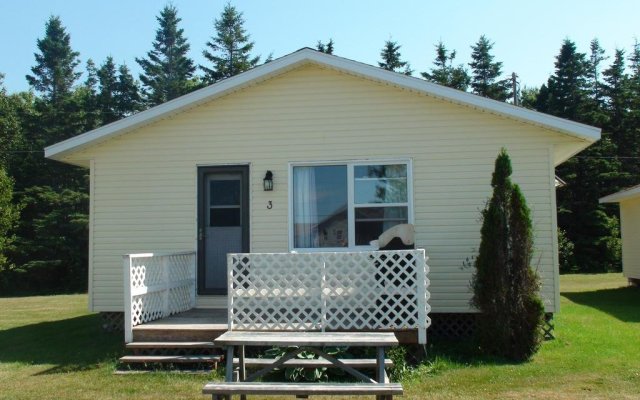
(230, 48)
(127, 94)
(11, 135)
(567, 87)
(108, 79)
(325, 48)
(529, 96)
(54, 73)
(9, 214)
(590, 226)
(58, 115)
(92, 76)
(118, 96)
(89, 104)
(594, 64)
(45, 249)
(505, 287)
(593, 109)
(616, 97)
(167, 70)
(52, 241)
(486, 72)
(632, 119)
(445, 73)
(392, 59)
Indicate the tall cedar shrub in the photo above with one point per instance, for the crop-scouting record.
(505, 287)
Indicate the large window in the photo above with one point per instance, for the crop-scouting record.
(346, 205)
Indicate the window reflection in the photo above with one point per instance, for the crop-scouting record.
(380, 184)
(320, 206)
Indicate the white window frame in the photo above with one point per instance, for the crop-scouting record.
(351, 224)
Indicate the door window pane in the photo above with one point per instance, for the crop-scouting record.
(224, 217)
(224, 192)
(320, 206)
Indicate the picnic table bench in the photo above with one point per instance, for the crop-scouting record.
(304, 341)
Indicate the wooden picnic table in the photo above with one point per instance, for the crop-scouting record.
(305, 341)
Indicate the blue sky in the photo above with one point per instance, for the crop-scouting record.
(527, 34)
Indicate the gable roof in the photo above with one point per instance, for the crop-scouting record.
(303, 56)
(626, 194)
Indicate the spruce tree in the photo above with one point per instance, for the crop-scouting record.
(46, 252)
(445, 73)
(108, 85)
(87, 98)
(505, 287)
(594, 66)
(616, 96)
(229, 50)
(568, 91)
(486, 72)
(55, 71)
(325, 47)
(590, 226)
(127, 94)
(392, 59)
(167, 70)
(632, 119)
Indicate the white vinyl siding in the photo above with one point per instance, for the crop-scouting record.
(145, 181)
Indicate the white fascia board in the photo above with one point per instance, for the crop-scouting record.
(627, 194)
(280, 65)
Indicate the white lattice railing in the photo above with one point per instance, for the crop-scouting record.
(369, 290)
(157, 285)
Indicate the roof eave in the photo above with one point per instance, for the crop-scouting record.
(628, 194)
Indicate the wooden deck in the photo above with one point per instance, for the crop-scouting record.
(197, 324)
(206, 324)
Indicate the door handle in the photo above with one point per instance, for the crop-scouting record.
(200, 234)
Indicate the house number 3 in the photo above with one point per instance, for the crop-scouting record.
(269, 205)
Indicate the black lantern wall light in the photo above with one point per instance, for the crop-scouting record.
(268, 181)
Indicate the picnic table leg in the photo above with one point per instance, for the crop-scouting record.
(242, 374)
(381, 375)
(229, 368)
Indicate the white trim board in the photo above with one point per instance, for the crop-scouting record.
(304, 56)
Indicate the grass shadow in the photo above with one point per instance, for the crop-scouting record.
(621, 303)
(447, 354)
(72, 344)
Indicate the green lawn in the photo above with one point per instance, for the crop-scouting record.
(51, 348)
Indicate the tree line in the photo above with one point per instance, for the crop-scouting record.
(44, 204)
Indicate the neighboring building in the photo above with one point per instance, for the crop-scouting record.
(354, 150)
(629, 200)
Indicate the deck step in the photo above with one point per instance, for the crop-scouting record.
(202, 371)
(302, 389)
(171, 345)
(171, 359)
(313, 363)
(176, 333)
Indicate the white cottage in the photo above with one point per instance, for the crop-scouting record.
(352, 149)
(629, 200)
